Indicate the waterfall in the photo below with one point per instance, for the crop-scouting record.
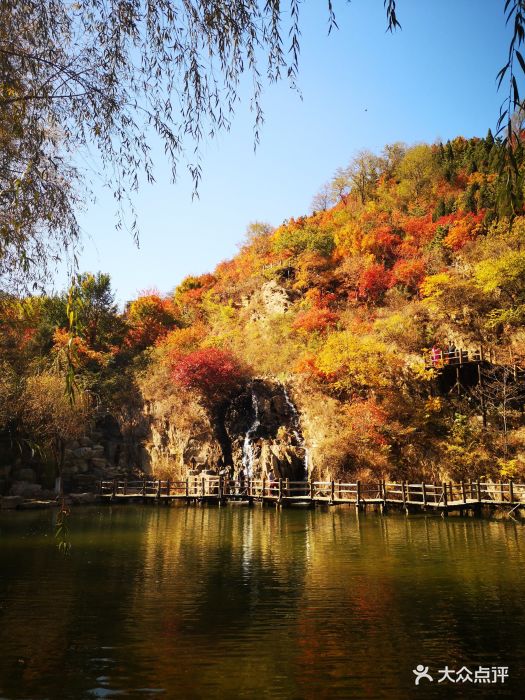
(248, 456)
(296, 425)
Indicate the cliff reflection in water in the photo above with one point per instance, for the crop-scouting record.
(209, 602)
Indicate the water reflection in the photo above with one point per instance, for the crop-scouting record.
(237, 602)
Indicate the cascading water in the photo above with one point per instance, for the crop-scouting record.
(296, 425)
(248, 455)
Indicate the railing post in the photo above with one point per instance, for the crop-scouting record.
(187, 487)
(332, 489)
(203, 486)
(158, 487)
(463, 492)
(311, 489)
(501, 492)
(263, 487)
(143, 487)
(478, 488)
(114, 488)
(511, 490)
(358, 493)
(445, 497)
(287, 492)
(403, 494)
(280, 498)
(384, 490)
(220, 488)
(125, 490)
(168, 487)
(424, 492)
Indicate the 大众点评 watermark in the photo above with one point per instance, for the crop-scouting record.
(481, 674)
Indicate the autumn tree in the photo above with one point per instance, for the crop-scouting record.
(363, 173)
(50, 418)
(501, 394)
(340, 185)
(97, 320)
(417, 170)
(215, 374)
(149, 318)
(323, 199)
(391, 157)
(257, 237)
(8, 394)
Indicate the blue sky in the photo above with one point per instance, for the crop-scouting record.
(361, 87)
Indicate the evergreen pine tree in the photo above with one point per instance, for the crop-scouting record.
(440, 210)
(469, 201)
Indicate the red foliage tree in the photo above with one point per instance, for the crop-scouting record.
(215, 374)
(418, 231)
(373, 282)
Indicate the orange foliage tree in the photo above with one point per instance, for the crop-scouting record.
(149, 318)
(315, 320)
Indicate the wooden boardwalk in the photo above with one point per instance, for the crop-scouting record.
(441, 498)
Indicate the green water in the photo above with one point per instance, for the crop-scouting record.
(237, 602)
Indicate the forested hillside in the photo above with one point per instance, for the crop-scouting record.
(404, 251)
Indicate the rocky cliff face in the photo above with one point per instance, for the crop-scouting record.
(264, 429)
(258, 430)
(103, 453)
(175, 436)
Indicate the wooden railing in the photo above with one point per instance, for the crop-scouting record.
(440, 358)
(437, 495)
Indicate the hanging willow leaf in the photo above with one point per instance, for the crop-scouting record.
(391, 16)
(105, 74)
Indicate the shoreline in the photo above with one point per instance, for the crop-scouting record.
(485, 511)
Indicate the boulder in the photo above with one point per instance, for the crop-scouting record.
(98, 462)
(70, 470)
(81, 465)
(25, 474)
(112, 448)
(83, 498)
(5, 470)
(25, 489)
(10, 502)
(83, 452)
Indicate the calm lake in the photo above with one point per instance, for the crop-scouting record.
(237, 602)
